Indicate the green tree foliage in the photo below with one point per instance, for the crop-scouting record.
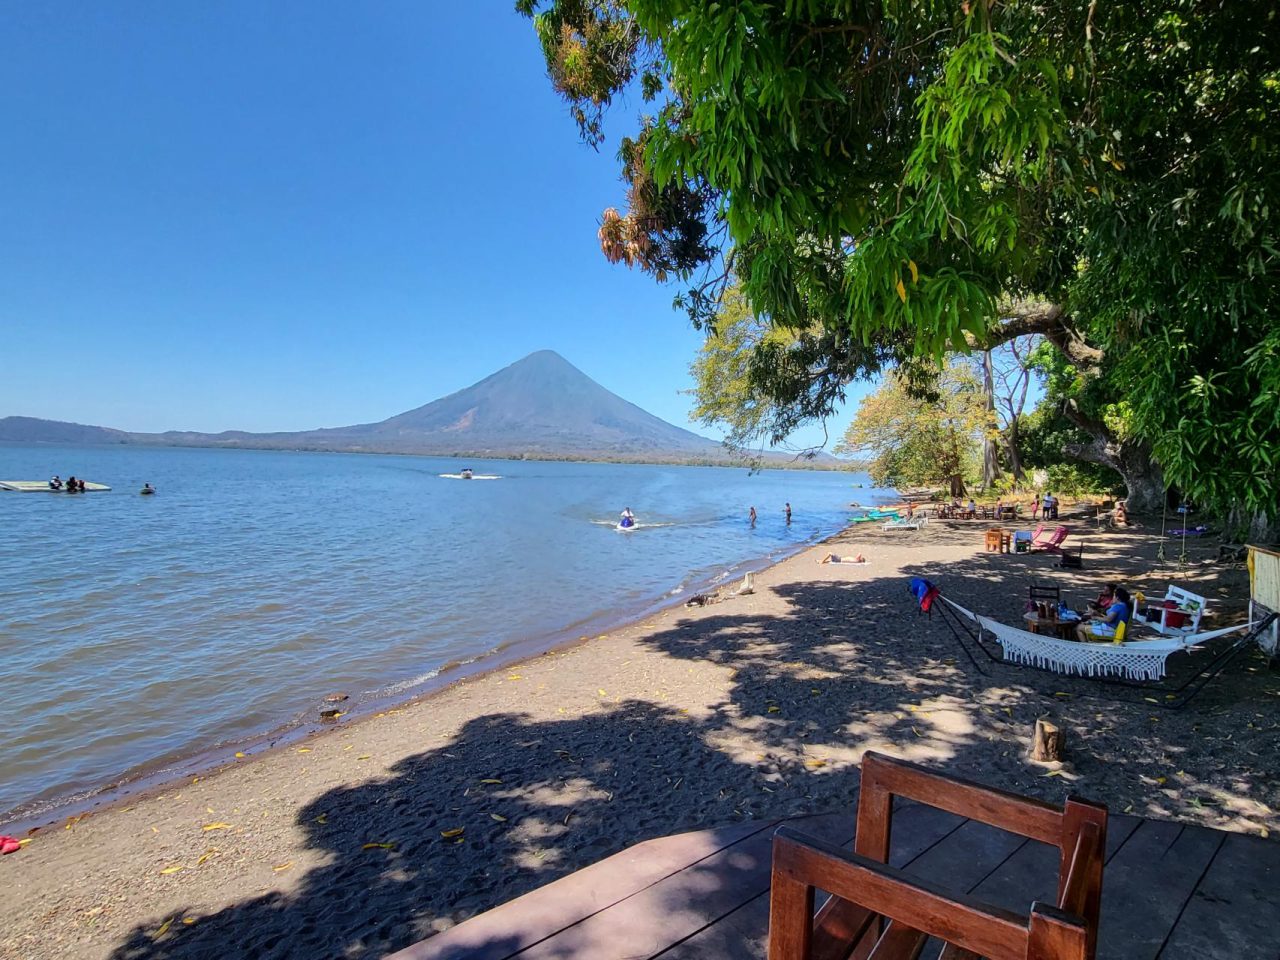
(911, 439)
(925, 176)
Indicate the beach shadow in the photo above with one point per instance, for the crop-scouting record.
(513, 802)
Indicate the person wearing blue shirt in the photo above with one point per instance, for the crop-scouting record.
(1105, 629)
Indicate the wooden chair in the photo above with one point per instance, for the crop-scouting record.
(993, 539)
(877, 912)
(1044, 591)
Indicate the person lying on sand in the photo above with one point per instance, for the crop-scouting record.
(836, 558)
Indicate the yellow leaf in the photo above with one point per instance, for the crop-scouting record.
(363, 756)
(1265, 833)
(902, 290)
(323, 818)
(304, 749)
(915, 273)
(1161, 780)
(775, 709)
(1093, 190)
(455, 832)
(168, 870)
(1128, 808)
(188, 920)
(164, 928)
(1151, 699)
(815, 763)
(1054, 773)
(216, 826)
(204, 856)
(499, 817)
(239, 755)
(24, 841)
(1060, 694)
(378, 846)
(515, 676)
(602, 693)
(490, 780)
(208, 809)
(279, 867)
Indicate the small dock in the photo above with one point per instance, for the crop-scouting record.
(42, 486)
(1170, 891)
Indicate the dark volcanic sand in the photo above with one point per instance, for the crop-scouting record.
(751, 707)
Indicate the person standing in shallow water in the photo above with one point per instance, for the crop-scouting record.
(787, 510)
(752, 515)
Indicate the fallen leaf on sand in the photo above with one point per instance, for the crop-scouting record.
(279, 867)
(208, 809)
(491, 780)
(24, 841)
(378, 846)
(164, 928)
(188, 920)
(216, 826)
(455, 832)
(205, 856)
(775, 709)
(815, 763)
(515, 676)
(602, 693)
(323, 818)
(1161, 780)
(1054, 773)
(1264, 832)
(499, 817)
(364, 756)
(240, 756)
(168, 870)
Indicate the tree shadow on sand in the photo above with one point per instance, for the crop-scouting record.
(850, 666)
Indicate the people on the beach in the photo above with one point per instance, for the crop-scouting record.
(1050, 506)
(836, 558)
(1108, 628)
(55, 482)
(1105, 598)
(1120, 516)
(147, 489)
(752, 514)
(787, 510)
(1035, 506)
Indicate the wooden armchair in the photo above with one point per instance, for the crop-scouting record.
(877, 912)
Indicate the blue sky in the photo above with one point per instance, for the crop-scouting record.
(290, 215)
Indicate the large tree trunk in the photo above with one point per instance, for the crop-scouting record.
(1142, 476)
(990, 455)
(1011, 449)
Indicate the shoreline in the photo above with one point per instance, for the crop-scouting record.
(154, 776)
(374, 835)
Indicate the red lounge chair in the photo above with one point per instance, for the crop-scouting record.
(1054, 542)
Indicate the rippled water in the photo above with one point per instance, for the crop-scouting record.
(137, 630)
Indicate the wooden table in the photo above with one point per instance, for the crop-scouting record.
(1170, 891)
(1066, 629)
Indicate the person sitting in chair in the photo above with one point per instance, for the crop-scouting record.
(1105, 598)
(1106, 629)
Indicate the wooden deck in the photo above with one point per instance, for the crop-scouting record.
(1170, 891)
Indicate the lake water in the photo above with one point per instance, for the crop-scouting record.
(136, 632)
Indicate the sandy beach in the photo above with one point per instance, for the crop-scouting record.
(378, 833)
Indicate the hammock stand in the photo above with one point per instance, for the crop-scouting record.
(1176, 697)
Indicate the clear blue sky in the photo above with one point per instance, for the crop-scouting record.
(299, 214)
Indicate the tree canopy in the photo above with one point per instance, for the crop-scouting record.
(918, 177)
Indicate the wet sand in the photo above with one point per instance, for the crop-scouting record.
(380, 832)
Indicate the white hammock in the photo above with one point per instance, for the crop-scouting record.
(1133, 659)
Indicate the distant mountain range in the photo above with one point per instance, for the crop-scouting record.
(541, 407)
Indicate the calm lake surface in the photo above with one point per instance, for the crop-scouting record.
(139, 631)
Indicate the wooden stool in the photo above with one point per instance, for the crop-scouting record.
(993, 540)
(1006, 542)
